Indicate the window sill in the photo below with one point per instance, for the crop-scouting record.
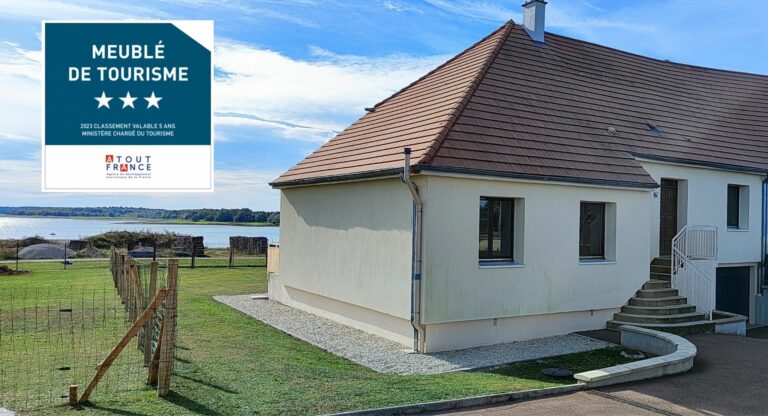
(737, 230)
(499, 265)
(596, 261)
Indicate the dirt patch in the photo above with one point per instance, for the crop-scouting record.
(7, 271)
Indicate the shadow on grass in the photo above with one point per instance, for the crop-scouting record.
(110, 410)
(189, 404)
(585, 361)
(207, 384)
(172, 397)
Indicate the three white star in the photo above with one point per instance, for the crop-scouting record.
(152, 101)
(103, 100)
(128, 100)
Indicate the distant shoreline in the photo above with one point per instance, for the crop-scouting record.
(131, 220)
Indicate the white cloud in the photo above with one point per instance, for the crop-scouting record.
(20, 75)
(481, 10)
(577, 16)
(317, 133)
(401, 7)
(35, 10)
(307, 99)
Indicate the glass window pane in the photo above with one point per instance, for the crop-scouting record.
(592, 230)
(484, 220)
(496, 215)
(733, 206)
(507, 219)
(496, 228)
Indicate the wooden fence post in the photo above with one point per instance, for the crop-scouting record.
(73, 395)
(155, 363)
(129, 290)
(149, 327)
(121, 277)
(266, 254)
(169, 330)
(102, 368)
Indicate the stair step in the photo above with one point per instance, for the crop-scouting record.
(684, 328)
(659, 276)
(657, 284)
(656, 293)
(659, 319)
(661, 261)
(661, 269)
(658, 310)
(665, 301)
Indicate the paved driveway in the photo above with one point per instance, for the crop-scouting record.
(729, 377)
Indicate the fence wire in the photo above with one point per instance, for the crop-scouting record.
(56, 337)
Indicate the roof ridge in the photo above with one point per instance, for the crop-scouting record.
(468, 92)
(455, 57)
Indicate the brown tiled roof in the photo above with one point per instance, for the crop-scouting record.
(566, 110)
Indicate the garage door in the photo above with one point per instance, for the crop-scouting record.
(733, 290)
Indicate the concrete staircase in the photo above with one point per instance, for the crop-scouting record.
(658, 306)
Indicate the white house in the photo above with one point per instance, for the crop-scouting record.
(534, 185)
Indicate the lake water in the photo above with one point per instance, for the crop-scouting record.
(75, 229)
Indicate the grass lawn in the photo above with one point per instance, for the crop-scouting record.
(231, 364)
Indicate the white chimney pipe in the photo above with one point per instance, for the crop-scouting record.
(533, 19)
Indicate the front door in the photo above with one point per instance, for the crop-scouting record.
(668, 216)
(732, 290)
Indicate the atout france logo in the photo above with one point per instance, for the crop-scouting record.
(128, 163)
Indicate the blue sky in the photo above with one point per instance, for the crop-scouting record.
(289, 74)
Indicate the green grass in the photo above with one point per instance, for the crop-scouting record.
(231, 364)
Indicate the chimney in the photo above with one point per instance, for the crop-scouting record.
(533, 19)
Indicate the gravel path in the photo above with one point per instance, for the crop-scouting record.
(390, 357)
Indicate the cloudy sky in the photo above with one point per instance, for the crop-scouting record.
(292, 73)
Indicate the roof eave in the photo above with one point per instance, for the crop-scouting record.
(373, 174)
(543, 178)
(712, 165)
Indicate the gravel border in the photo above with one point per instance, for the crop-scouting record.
(387, 356)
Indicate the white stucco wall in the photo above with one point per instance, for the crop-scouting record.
(703, 201)
(345, 253)
(552, 280)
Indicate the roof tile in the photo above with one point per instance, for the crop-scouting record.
(509, 107)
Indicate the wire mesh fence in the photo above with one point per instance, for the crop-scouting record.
(53, 337)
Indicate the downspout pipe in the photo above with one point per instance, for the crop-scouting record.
(418, 329)
(763, 239)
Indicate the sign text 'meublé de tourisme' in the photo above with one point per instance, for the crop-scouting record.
(150, 73)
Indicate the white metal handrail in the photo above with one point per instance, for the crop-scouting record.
(695, 244)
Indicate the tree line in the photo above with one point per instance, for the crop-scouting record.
(196, 215)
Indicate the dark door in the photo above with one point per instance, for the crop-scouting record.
(732, 290)
(668, 216)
